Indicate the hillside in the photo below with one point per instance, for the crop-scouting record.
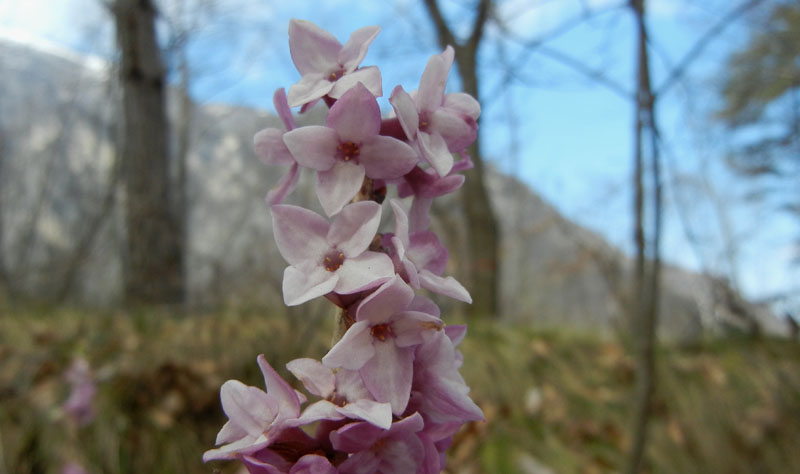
(61, 228)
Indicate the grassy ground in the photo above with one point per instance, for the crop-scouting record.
(555, 401)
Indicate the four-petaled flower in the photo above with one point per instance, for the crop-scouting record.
(327, 67)
(327, 257)
(348, 148)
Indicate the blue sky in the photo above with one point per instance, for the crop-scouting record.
(566, 136)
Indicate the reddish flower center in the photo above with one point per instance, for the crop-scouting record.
(335, 75)
(382, 331)
(348, 150)
(333, 260)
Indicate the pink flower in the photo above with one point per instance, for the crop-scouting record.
(380, 345)
(349, 148)
(327, 257)
(255, 418)
(327, 67)
(420, 258)
(439, 124)
(269, 146)
(79, 405)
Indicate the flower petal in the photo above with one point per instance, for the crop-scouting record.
(406, 110)
(280, 390)
(289, 222)
(369, 76)
(379, 414)
(285, 185)
(366, 271)
(250, 408)
(392, 297)
(464, 104)
(312, 48)
(356, 116)
(269, 146)
(353, 350)
(388, 374)
(434, 78)
(354, 228)
(444, 286)
(434, 150)
(313, 146)
(282, 108)
(308, 89)
(317, 378)
(306, 283)
(337, 186)
(387, 158)
(355, 49)
(458, 132)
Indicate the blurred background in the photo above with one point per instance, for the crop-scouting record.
(630, 234)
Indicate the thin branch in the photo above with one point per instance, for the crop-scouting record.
(683, 65)
(443, 32)
(478, 25)
(593, 74)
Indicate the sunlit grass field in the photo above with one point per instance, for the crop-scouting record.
(555, 401)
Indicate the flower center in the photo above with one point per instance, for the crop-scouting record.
(333, 260)
(335, 75)
(382, 331)
(348, 150)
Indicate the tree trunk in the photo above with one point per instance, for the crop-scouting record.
(646, 285)
(153, 270)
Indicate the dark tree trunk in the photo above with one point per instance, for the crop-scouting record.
(154, 255)
(483, 266)
(647, 236)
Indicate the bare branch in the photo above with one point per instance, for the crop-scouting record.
(443, 32)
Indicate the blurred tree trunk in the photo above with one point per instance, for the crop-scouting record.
(482, 259)
(647, 236)
(153, 271)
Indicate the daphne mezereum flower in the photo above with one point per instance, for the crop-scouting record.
(343, 392)
(348, 148)
(381, 344)
(329, 257)
(255, 418)
(420, 258)
(80, 404)
(327, 67)
(269, 146)
(439, 124)
(402, 448)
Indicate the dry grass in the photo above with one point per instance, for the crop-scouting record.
(553, 400)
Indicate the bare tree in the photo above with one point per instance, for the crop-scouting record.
(154, 266)
(484, 238)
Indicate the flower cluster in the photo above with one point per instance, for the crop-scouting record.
(389, 396)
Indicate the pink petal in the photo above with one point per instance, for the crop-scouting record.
(308, 89)
(400, 222)
(430, 94)
(458, 132)
(379, 414)
(320, 410)
(444, 286)
(312, 48)
(409, 325)
(419, 217)
(338, 185)
(313, 464)
(356, 437)
(305, 284)
(387, 158)
(388, 374)
(269, 146)
(280, 390)
(464, 104)
(285, 185)
(366, 271)
(289, 222)
(317, 378)
(355, 49)
(434, 150)
(427, 252)
(282, 108)
(354, 228)
(406, 110)
(425, 305)
(356, 116)
(392, 297)
(370, 77)
(313, 146)
(353, 350)
(248, 407)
